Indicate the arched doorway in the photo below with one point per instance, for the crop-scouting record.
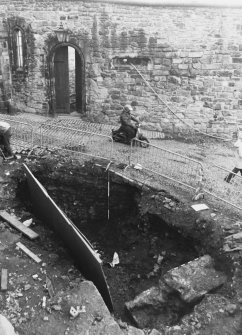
(67, 79)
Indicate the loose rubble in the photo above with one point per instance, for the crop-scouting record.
(195, 279)
(178, 288)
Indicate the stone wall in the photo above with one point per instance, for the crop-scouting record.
(5, 76)
(191, 57)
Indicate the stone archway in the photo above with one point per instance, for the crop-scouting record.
(67, 79)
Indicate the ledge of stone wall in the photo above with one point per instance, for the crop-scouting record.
(175, 3)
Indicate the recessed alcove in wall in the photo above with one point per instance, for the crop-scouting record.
(141, 61)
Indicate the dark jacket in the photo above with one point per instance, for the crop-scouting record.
(126, 118)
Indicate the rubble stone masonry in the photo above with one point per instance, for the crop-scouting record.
(191, 57)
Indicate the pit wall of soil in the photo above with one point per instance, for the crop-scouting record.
(82, 193)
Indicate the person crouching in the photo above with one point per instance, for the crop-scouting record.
(5, 135)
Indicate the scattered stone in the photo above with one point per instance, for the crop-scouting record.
(28, 222)
(53, 257)
(122, 324)
(231, 309)
(98, 318)
(199, 207)
(155, 307)
(233, 242)
(44, 302)
(138, 166)
(134, 331)
(115, 260)
(49, 287)
(74, 312)
(194, 279)
(5, 326)
(87, 294)
(155, 332)
(156, 267)
(207, 315)
(27, 287)
(56, 307)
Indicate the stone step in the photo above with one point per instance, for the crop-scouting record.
(195, 279)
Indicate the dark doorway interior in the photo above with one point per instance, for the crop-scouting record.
(61, 72)
(68, 73)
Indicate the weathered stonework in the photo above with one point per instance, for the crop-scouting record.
(193, 59)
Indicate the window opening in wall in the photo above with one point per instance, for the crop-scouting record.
(137, 61)
(19, 48)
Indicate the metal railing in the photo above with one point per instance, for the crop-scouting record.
(215, 184)
(145, 164)
(165, 163)
(76, 141)
(22, 134)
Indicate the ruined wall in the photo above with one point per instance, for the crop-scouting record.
(190, 56)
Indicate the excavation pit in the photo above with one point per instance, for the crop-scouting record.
(146, 245)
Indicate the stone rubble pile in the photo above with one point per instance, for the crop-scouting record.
(178, 291)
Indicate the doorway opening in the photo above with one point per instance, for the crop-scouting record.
(69, 80)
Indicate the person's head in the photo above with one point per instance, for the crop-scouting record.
(128, 108)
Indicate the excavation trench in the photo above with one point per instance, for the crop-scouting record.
(146, 245)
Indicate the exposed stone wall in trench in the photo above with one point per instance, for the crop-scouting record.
(82, 192)
(191, 56)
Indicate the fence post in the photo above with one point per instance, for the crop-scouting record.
(130, 151)
(199, 193)
(41, 136)
(32, 137)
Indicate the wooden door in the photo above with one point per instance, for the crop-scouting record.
(79, 83)
(61, 72)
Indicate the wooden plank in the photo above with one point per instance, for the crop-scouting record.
(4, 280)
(13, 221)
(85, 256)
(28, 252)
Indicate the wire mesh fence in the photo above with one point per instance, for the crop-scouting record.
(217, 184)
(76, 123)
(22, 134)
(76, 141)
(146, 165)
(165, 163)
